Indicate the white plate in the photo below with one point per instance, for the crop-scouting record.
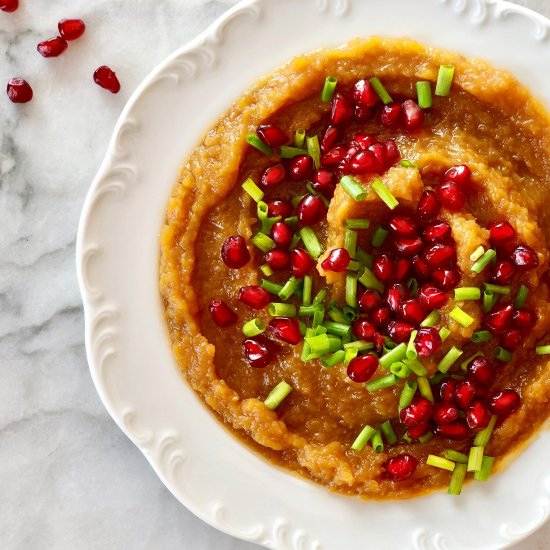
(209, 471)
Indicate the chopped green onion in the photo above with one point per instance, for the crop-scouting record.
(338, 329)
(292, 220)
(416, 366)
(411, 352)
(438, 462)
(521, 296)
(308, 286)
(481, 336)
(318, 316)
(455, 456)
(337, 315)
(475, 459)
(277, 309)
(396, 354)
(380, 90)
(400, 369)
(408, 164)
(502, 354)
(353, 188)
(363, 438)
(406, 438)
(359, 345)
(436, 378)
(257, 143)
(407, 393)
(311, 242)
(425, 389)
(254, 327)
(444, 80)
(267, 224)
(381, 383)
(295, 240)
(542, 350)
(444, 333)
(482, 437)
(467, 293)
(350, 313)
(432, 319)
(320, 297)
(461, 317)
(334, 359)
(354, 266)
(300, 138)
(303, 327)
(271, 287)
(266, 270)
(389, 433)
(384, 194)
(368, 279)
(457, 479)
(314, 150)
(485, 471)
(379, 236)
(497, 289)
(363, 257)
(426, 437)
(351, 354)
(263, 242)
(489, 300)
(450, 357)
(351, 290)
(319, 345)
(464, 364)
(253, 190)
(350, 242)
(277, 395)
(291, 152)
(261, 210)
(377, 443)
(288, 289)
(477, 253)
(357, 223)
(483, 262)
(424, 92)
(328, 88)
(306, 311)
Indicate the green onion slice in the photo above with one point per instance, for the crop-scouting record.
(424, 92)
(357, 223)
(254, 327)
(481, 336)
(444, 80)
(278, 309)
(467, 293)
(388, 431)
(449, 359)
(425, 389)
(351, 290)
(381, 383)
(350, 242)
(432, 319)
(485, 471)
(263, 242)
(461, 317)
(483, 262)
(396, 354)
(542, 350)
(353, 188)
(257, 143)
(379, 236)
(253, 190)
(300, 138)
(475, 459)
(407, 393)
(482, 437)
(277, 395)
(380, 90)
(457, 479)
(311, 242)
(502, 354)
(438, 462)
(363, 438)
(334, 359)
(384, 194)
(314, 150)
(455, 456)
(287, 152)
(521, 296)
(328, 88)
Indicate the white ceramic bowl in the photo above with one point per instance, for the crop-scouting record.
(209, 471)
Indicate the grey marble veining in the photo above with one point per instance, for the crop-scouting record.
(68, 477)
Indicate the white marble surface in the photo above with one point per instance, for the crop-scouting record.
(68, 477)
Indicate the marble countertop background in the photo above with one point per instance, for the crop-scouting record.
(69, 478)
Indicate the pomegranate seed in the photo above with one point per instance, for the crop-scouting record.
(408, 247)
(439, 255)
(524, 319)
(427, 341)
(364, 141)
(273, 176)
(478, 416)
(402, 226)
(431, 297)
(444, 413)
(278, 207)
(342, 110)
(364, 94)
(461, 175)
(254, 297)
(362, 113)
(402, 269)
(310, 210)
(451, 196)
(498, 320)
(222, 314)
(353, 149)
(281, 234)
(363, 330)
(399, 331)
(481, 371)
(71, 29)
(465, 393)
(525, 258)
(363, 162)
(383, 267)
(413, 115)
(338, 260)
(258, 351)
(234, 252)
(324, 181)
(272, 135)
(19, 90)
(401, 467)
(379, 151)
(412, 311)
(277, 259)
(300, 167)
(331, 136)
(362, 368)
(417, 432)
(420, 268)
(395, 295)
(9, 6)
(447, 279)
(381, 317)
(52, 47)
(511, 339)
(390, 115)
(392, 152)
(504, 402)
(379, 342)
(286, 329)
(437, 232)
(501, 233)
(455, 431)
(428, 206)
(447, 390)
(301, 263)
(335, 156)
(369, 300)
(502, 273)
(418, 412)
(107, 79)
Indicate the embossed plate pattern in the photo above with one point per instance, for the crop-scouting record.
(130, 359)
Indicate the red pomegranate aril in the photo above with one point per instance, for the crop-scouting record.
(421, 270)
(379, 342)
(525, 258)
(222, 314)
(501, 232)
(272, 135)
(418, 412)
(107, 79)
(402, 226)
(364, 141)
(363, 330)
(504, 402)
(381, 317)
(465, 393)
(499, 319)
(439, 255)
(390, 115)
(334, 157)
(444, 412)
(338, 260)
(460, 174)
(392, 152)
(71, 29)
(402, 269)
(331, 136)
(341, 111)
(524, 319)
(416, 432)
(412, 115)
(427, 341)
(286, 329)
(502, 272)
(395, 294)
(234, 252)
(363, 163)
(447, 279)
(369, 300)
(379, 151)
(383, 267)
(273, 176)
(362, 113)
(300, 167)
(277, 259)
(310, 210)
(428, 206)
(437, 232)
(324, 181)
(258, 351)
(511, 339)
(19, 90)
(481, 371)
(364, 94)
(301, 263)
(451, 196)
(431, 297)
(399, 331)
(455, 431)
(281, 234)
(408, 247)
(478, 416)
(401, 467)
(412, 311)
(362, 368)
(447, 390)
(254, 297)
(278, 207)
(9, 6)
(53, 47)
